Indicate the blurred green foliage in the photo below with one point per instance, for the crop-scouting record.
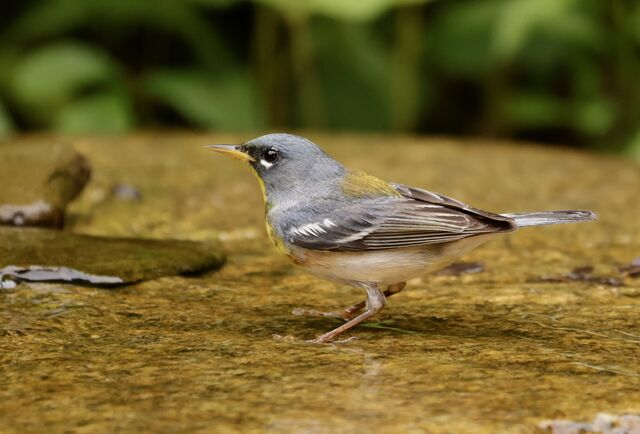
(547, 70)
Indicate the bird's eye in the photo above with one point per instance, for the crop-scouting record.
(271, 155)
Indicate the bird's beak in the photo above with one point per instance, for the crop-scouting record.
(232, 150)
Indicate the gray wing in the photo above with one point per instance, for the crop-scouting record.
(417, 217)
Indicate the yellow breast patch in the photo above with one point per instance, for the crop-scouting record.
(357, 183)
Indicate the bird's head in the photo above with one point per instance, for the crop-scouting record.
(285, 163)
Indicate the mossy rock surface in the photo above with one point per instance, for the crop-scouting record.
(125, 260)
(501, 350)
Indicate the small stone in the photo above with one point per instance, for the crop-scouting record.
(8, 284)
(630, 422)
(126, 192)
(603, 422)
(38, 182)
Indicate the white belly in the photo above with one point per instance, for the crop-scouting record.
(384, 267)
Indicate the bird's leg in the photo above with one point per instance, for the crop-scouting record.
(347, 313)
(374, 304)
(391, 289)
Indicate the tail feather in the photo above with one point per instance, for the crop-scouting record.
(551, 217)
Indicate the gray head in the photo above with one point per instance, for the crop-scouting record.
(286, 164)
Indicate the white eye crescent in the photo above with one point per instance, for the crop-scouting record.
(266, 164)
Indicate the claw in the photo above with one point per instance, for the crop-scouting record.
(319, 340)
(287, 338)
(292, 339)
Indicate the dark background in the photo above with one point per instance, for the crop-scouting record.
(555, 71)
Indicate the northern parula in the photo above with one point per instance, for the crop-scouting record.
(348, 226)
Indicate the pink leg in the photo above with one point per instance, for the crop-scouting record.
(348, 312)
(374, 304)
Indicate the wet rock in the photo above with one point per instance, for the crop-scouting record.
(45, 255)
(37, 273)
(476, 355)
(38, 181)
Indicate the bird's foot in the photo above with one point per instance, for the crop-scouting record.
(345, 315)
(288, 338)
(320, 340)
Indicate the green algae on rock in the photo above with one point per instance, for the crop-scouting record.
(40, 254)
(493, 352)
(38, 181)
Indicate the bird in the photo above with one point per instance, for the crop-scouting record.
(353, 228)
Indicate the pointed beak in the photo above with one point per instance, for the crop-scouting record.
(232, 150)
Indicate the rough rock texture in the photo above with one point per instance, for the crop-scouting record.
(40, 254)
(37, 182)
(496, 351)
